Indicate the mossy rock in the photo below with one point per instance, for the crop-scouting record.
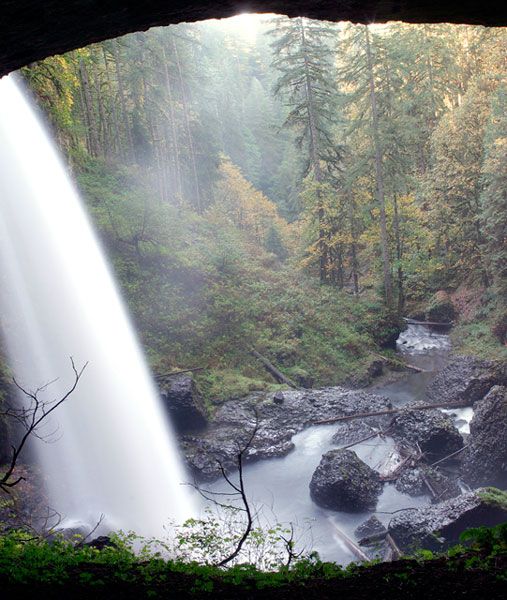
(493, 497)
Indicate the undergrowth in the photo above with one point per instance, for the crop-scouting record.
(33, 561)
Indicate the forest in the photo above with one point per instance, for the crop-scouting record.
(292, 186)
(301, 226)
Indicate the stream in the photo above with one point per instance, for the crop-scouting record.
(279, 488)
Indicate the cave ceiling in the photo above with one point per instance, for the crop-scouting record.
(34, 29)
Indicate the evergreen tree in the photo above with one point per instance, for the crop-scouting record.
(303, 56)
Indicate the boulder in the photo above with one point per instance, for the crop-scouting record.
(485, 461)
(432, 430)
(344, 482)
(438, 526)
(278, 398)
(101, 542)
(466, 379)
(350, 432)
(183, 402)
(412, 482)
(370, 527)
(371, 535)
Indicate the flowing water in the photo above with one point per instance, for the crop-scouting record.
(279, 487)
(112, 450)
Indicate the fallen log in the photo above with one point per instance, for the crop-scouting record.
(394, 547)
(193, 370)
(270, 368)
(436, 323)
(427, 483)
(399, 362)
(350, 544)
(391, 411)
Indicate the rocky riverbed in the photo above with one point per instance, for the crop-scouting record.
(430, 456)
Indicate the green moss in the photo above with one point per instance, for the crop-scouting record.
(477, 339)
(494, 497)
(218, 386)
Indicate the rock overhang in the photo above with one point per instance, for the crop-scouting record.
(31, 30)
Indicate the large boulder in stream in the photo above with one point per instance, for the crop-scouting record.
(466, 379)
(485, 461)
(183, 403)
(432, 430)
(438, 526)
(342, 481)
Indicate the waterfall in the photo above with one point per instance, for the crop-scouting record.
(112, 450)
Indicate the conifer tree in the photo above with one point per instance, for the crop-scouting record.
(303, 57)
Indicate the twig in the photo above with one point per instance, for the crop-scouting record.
(449, 456)
(31, 418)
(97, 525)
(241, 490)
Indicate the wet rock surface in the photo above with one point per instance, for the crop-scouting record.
(344, 482)
(419, 481)
(235, 420)
(466, 379)
(351, 432)
(183, 402)
(371, 535)
(432, 430)
(370, 527)
(438, 526)
(485, 459)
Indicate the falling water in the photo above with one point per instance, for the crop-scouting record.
(113, 452)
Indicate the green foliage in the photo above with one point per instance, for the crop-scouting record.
(25, 560)
(216, 254)
(489, 540)
(494, 498)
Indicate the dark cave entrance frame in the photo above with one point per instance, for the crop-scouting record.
(31, 30)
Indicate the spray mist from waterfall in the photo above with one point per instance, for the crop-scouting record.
(114, 452)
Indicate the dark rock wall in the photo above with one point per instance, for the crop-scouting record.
(34, 29)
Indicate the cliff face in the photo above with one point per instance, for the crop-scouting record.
(34, 29)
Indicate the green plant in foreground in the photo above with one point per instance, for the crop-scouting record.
(28, 560)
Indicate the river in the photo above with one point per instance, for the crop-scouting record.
(279, 488)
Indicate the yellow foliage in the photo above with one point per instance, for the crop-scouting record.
(247, 208)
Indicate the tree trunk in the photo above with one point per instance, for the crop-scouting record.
(102, 128)
(353, 245)
(115, 137)
(88, 104)
(379, 175)
(396, 224)
(174, 135)
(314, 157)
(187, 126)
(123, 103)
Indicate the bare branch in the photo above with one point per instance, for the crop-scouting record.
(31, 418)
